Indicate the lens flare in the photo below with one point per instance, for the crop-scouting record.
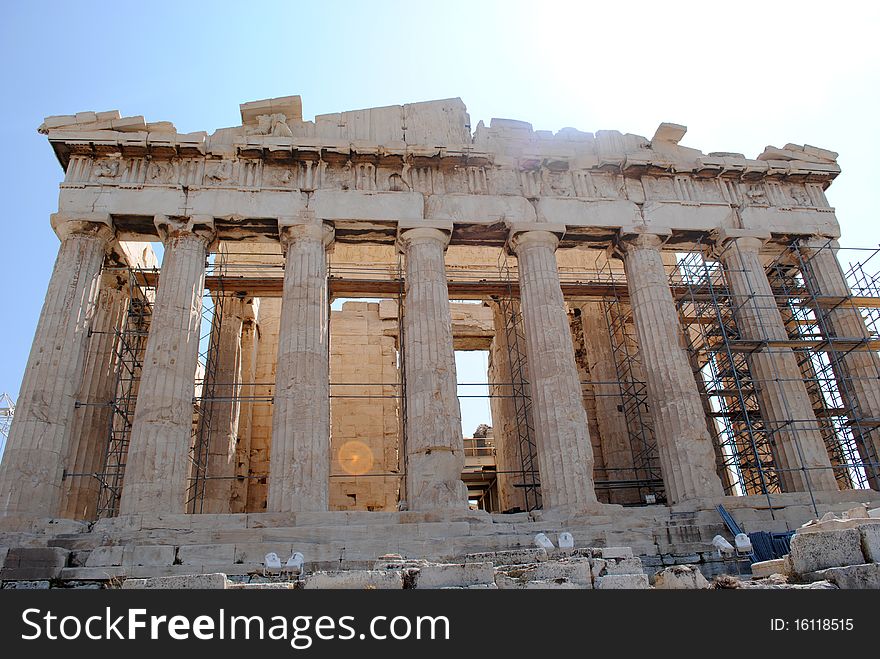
(355, 457)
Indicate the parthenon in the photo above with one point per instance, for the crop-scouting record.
(667, 331)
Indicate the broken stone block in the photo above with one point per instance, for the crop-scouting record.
(855, 577)
(354, 580)
(857, 512)
(680, 577)
(215, 581)
(206, 554)
(623, 582)
(278, 585)
(602, 567)
(105, 556)
(870, 542)
(440, 575)
(820, 550)
(33, 563)
(612, 552)
(26, 585)
(150, 555)
(503, 582)
(575, 570)
(766, 568)
(511, 557)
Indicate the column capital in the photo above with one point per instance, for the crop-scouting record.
(87, 224)
(251, 309)
(812, 244)
(412, 232)
(302, 227)
(747, 240)
(527, 234)
(172, 226)
(634, 238)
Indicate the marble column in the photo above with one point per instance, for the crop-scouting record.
(30, 473)
(857, 371)
(250, 342)
(224, 407)
(617, 451)
(798, 448)
(158, 464)
(434, 443)
(508, 448)
(565, 454)
(299, 465)
(91, 424)
(687, 458)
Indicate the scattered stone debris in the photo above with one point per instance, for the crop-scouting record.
(834, 551)
(680, 577)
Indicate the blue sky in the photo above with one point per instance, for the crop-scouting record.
(740, 75)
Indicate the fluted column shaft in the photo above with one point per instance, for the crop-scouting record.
(565, 454)
(508, 451)
(91, 425)
(158, 463)
(798, 447)
(617, 452)
(299, 466)
(30, 474)
(224, 408)
(434, 443)
(857, 371)
(249, 350)
(687, 458)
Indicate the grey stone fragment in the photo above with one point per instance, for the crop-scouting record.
(453, 574)
(354, 580)
(855, 577)
(623, 582)
(819, 550)
(215, 581)
(680, 577)
(870, 542)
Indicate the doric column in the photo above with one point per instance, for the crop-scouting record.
(158, 463)
(91, 423)
(509, 388)
(857, 371)
(565, 454)
(250, 342)
(434, 443)
(299, 464)
(30, 474)
(617, 450)
(687, 458)
(224, 407)
(798, 447)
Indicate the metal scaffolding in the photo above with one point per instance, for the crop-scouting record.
(742, 447)
(515, 342)
(645, 476)
(719, 356)
(7, 413)
(130, 348)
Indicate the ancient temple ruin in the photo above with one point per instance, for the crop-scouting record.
(667, 330)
